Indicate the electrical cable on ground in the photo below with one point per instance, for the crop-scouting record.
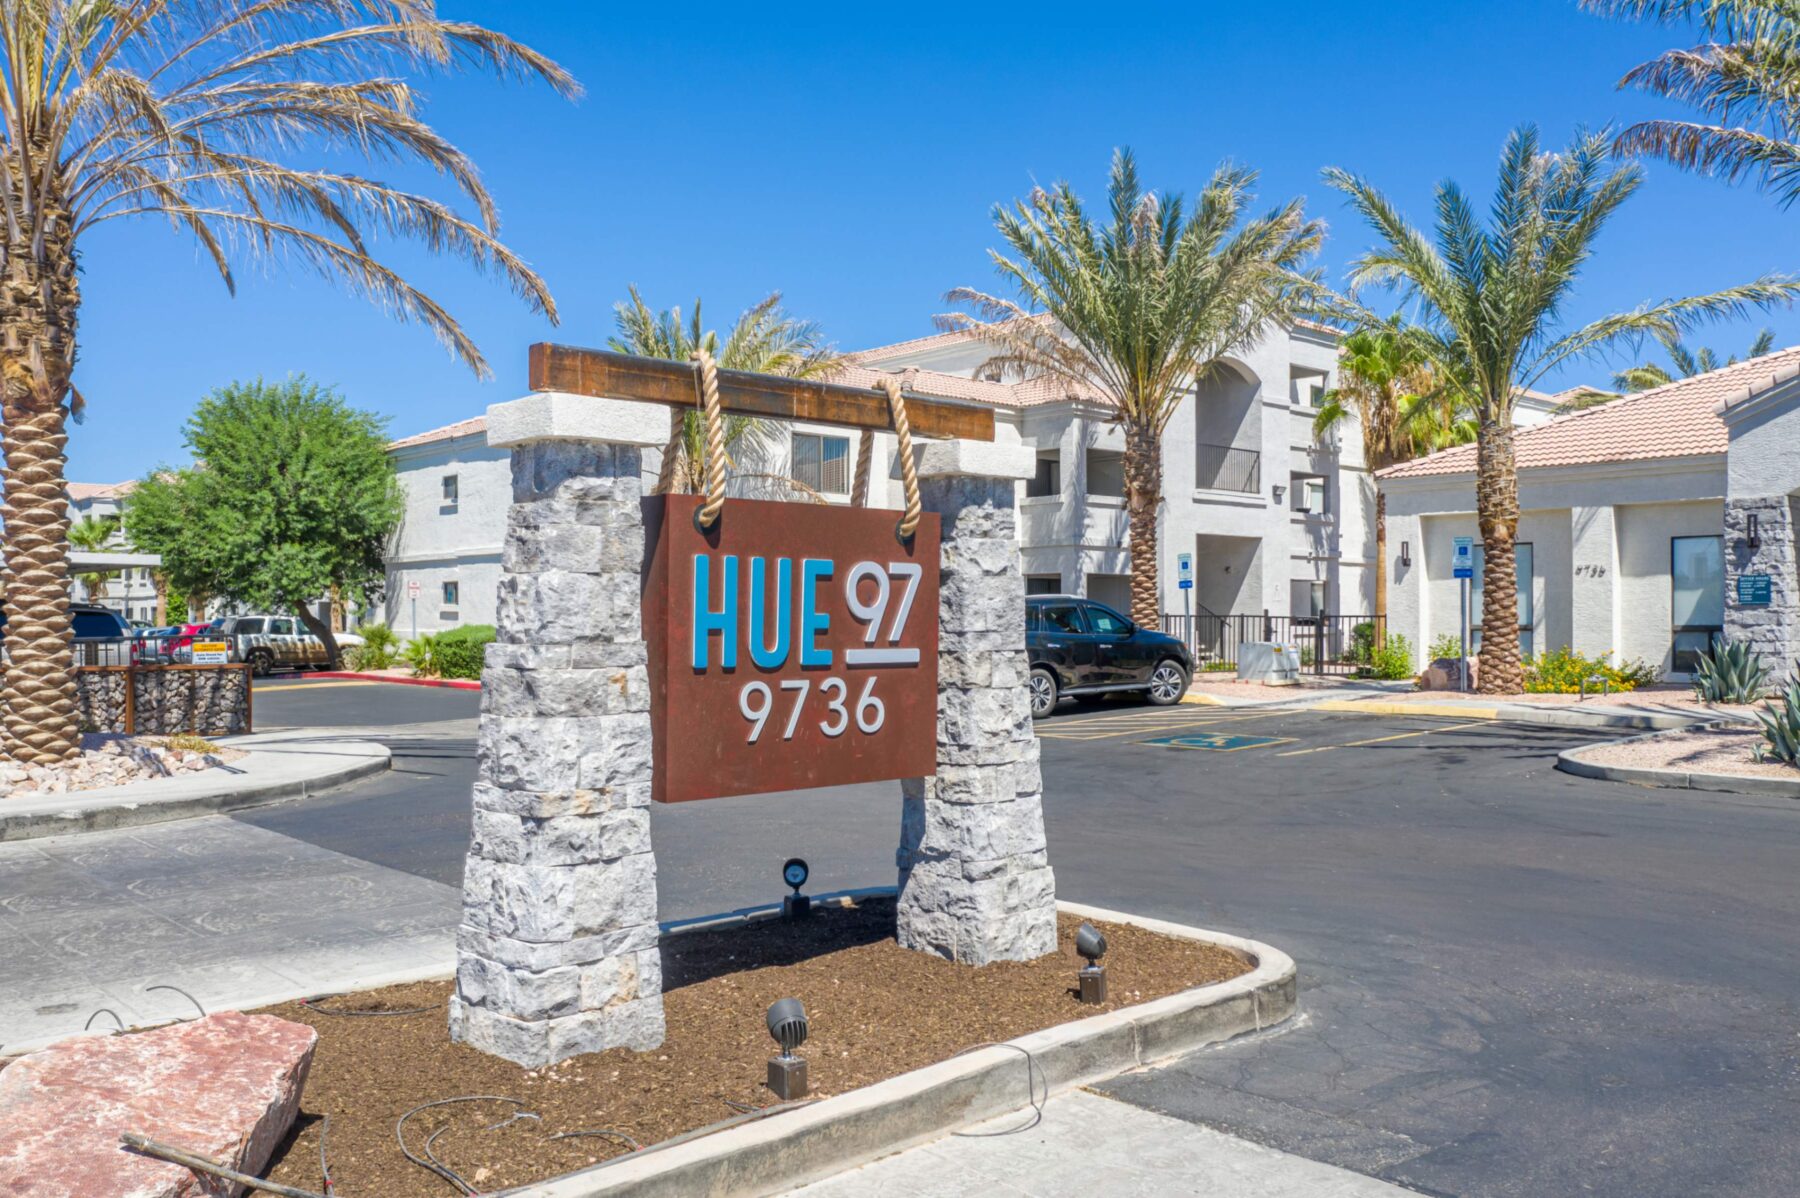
(200, 1164)
(103, 1011)
(600, 1131)
(432, 1163)
(1031, 1072)
(183, 993)
(324, 1163)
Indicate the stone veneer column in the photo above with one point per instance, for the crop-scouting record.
(557, 953)
(975, 878)
(1774, 631)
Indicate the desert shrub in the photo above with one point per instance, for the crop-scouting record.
(1729, 672)
(378, 650)
(1780, 719)
(458, 653)
(420, 653)
(1392, 661)
(1362, 643)
(1561, 672)
(1447, 646)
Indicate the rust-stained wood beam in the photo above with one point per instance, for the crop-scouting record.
(658, 380)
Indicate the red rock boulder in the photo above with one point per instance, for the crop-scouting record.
(226, 1087)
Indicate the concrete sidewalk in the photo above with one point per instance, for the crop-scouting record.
(1087, 1145)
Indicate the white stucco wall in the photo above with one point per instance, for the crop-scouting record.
(439, 542)
(1645, 586)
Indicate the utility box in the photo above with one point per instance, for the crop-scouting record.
(1268, 662)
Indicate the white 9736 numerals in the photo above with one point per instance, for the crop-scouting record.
(757, 703)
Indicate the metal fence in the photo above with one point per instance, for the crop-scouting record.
(1328, 644)
(155, 650)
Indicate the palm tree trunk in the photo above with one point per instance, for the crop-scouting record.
(38, 304)
(1143, 496)
(1497, 510)
(1381, 566)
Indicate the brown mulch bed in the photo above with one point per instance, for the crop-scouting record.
(876, 1010)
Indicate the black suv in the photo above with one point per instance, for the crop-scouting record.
(1087, 650)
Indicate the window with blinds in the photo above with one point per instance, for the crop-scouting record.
(822, 463)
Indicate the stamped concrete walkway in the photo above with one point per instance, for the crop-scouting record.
(1088, 1145)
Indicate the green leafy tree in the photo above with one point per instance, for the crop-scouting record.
(1140, 308)
(1387, 386)
(1488, 300)
(1744, 80)
(233, 121)
(293, 495)
(93, 533)
(765, 340)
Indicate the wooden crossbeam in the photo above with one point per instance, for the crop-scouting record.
(658, 380)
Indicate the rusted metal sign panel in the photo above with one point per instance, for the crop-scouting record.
(791, 645)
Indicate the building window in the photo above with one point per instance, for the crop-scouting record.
(1048, 480)
(450, 490)
(452, 593)
(1311, 495)
(1043, 584)
(822, 463)
(1524, 574)
(1105, 473)
(1697, 608)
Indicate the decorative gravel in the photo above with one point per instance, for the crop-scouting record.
(108, 759)
(1701, 751)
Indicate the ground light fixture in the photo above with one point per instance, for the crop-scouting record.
(1089, 943)
(787, 1072)
(795, 872)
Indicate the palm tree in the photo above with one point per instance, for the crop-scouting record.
(1386, 385)
(1488, 301)
(765, 339)
(1745, 79)
(93, 533)
(189, 110)
(1686, 363)
(1140, 310)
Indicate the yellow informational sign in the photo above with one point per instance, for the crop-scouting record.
(211, 653)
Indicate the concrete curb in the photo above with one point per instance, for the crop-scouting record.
(1530, 713)
(1573, 761)
(810, 1143)
(461, 684)
(274, 769)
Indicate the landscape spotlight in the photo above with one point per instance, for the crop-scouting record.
(1089, 943)
(795, 873)
(787, 1072)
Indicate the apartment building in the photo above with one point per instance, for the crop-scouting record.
(129, 588)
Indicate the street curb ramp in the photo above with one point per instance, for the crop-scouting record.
(810, 1143)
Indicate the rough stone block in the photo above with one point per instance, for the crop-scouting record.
(968, 832)
(578, 950)
(619, 755)
(532, 752)
(227, 1086)
(617, 894)
(557, 606)
(523, 994)
(550, 804)
(621, 978)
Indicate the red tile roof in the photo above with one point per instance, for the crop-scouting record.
(463, 428)
(80, 491)
(1676, 420)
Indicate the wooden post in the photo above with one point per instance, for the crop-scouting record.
(131, 700)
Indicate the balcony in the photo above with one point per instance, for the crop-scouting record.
(1228, 468)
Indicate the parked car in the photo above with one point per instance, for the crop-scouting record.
(1087, 650)
(269, 643)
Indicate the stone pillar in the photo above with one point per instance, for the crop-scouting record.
(1774, 631)
(1594, 594)
(975, 878)
(557, 953)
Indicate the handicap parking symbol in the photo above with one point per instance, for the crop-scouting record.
(1216, 742)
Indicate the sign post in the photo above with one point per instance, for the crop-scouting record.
(412, 594)
(1184, 579)
(1463, 570)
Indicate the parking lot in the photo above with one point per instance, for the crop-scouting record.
(1513, 981)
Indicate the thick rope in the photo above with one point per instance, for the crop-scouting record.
(706, 387)
(909, 470)
(865, 462)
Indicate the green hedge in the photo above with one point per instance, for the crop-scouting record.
(456, 653)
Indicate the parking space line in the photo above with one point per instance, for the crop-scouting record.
(1135, 724)
(1380, 740)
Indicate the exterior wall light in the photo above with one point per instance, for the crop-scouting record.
(795, 873)
(787, 1072)
(1406, 554)
(1752, 532)
(1089, 943)
(1280, 492)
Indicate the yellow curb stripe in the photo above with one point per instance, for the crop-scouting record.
(1377, 707)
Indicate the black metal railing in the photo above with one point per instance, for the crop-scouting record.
(153, 649)
(1228, 468)
(1329, 645)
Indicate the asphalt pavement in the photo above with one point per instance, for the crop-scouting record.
(1513, 981)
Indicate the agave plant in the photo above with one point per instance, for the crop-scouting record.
(1729, 672)
(1780, 719)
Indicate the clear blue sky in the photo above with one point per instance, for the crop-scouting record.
(849, 156)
